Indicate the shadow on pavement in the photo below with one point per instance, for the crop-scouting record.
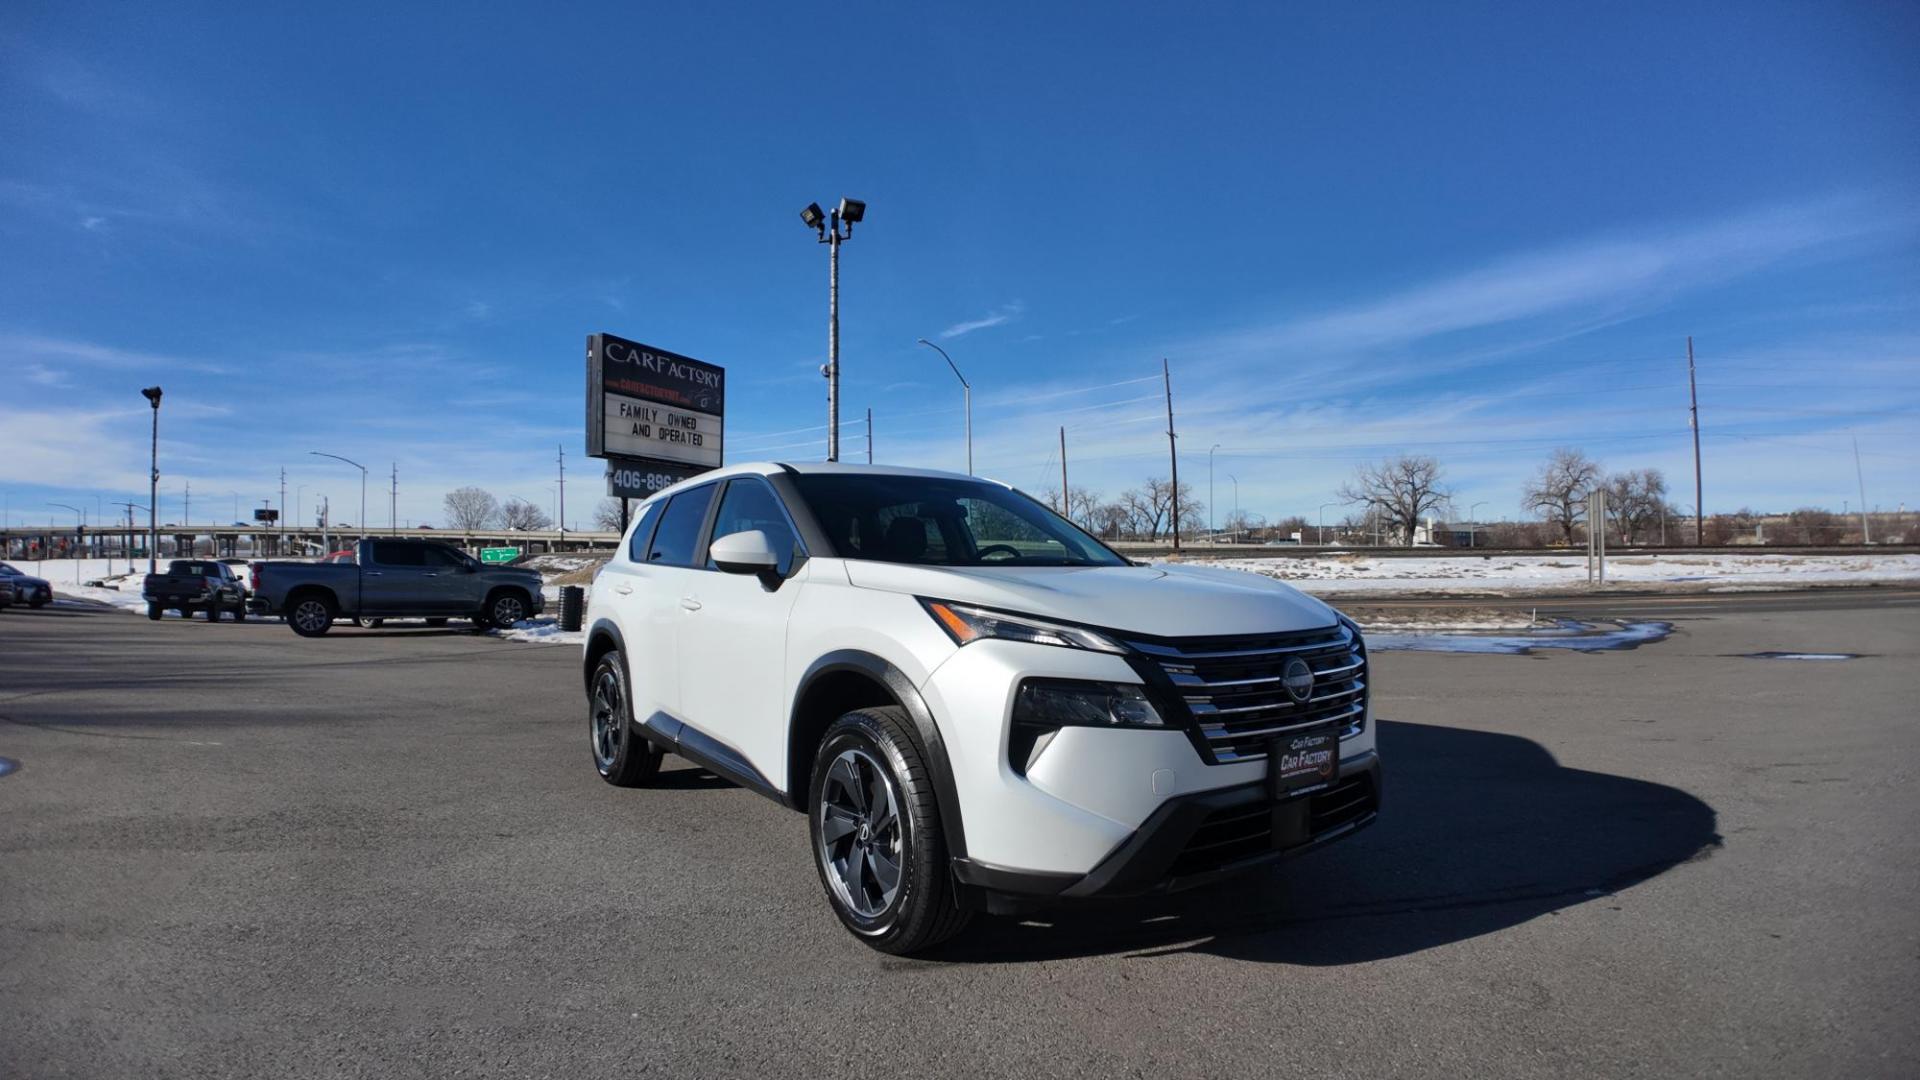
(1479, 832)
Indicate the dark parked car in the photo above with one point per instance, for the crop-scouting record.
(390, 579)
(28, 590)
(191, 585)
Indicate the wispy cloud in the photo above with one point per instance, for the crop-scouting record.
(1604, 274)
(1000, 316)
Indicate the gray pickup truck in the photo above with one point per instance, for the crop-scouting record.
(395, 579)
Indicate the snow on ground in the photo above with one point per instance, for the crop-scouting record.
(1347, 573)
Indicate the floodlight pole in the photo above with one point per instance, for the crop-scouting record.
(152, 394)
(1213, 534)
(966, 392)
(826, 224)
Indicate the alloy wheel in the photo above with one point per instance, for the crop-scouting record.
(508, 610)
(859, 833)
(310, 615)
(609, 720)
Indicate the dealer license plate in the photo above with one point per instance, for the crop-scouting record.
(1303, 761)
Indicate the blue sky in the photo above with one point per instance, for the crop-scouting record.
(1476, 232)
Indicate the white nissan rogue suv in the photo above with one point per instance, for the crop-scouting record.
(978, 705)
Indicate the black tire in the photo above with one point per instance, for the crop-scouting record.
(154, 611)
(623, 757)
(923, 908)
(240, 611)
(311, 615)
(506, 607)
(436, 623)
(39, 602)
(213, 612)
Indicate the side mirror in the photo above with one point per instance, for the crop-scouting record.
(744, 553)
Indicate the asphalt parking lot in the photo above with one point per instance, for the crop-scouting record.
(229, 851)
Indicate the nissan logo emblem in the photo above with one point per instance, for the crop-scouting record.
(1298, 679)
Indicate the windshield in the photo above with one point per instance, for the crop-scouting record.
(936, 521)
(8, 570)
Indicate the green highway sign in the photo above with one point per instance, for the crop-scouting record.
(499, 555)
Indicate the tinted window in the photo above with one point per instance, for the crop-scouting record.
(398, 553)
(944, 522)
(748, 505)
(679, 531)
(445, 557)
(643, 532)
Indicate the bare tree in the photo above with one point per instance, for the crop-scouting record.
(606, 516)
(1110, 520)
(471, 508)
(1149, 507)
(1634, 500)
(1081, 505)
(1400, 491)
(1559, 492)
(519, 514)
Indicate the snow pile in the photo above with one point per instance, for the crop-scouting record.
(544, 630)
(1346, 574)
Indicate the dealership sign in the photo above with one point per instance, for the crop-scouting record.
(656, 416)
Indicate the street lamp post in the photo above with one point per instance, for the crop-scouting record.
(1212, 533)
(1236, 498)
(1323, 522)
(152, 394)
(79, 536)
(1472, 514)
(363, 484)
(966, 392)
(826, 224)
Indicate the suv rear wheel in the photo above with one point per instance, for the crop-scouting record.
(624, 757)
(877, 839)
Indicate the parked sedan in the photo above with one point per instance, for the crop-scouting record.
(28, 590)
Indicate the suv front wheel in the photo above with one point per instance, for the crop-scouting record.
(876, 834)
(623, 756)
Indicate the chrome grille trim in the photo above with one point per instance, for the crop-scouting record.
(1232, 686)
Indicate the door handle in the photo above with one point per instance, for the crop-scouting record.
(690, 603)
(623, 589)
(430, 573)
(371, 573)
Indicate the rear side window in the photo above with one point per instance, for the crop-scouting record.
(643, 532)
(399, 553)
(444, 557)
(679, 531)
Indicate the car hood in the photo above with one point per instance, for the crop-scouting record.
(1165, 600)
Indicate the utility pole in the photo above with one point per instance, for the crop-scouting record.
(1066, 500)
(1213, 535)
(563, 493)
(1699, 504)
(1173, 454)
(280, 544)
(1866, 536)
(186, 510)
(393, 502)
(869, 436)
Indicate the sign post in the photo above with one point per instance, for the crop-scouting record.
(656, 417)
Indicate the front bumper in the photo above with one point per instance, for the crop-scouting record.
(1196, 839)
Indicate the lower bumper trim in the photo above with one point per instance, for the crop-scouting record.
(1197, 839)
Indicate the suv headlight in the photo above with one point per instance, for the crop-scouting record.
(1056, 703)
(964, 623)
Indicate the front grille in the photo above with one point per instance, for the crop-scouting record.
(1232, 686)
(1239, 833)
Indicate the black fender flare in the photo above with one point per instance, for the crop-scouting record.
(939, 768)
(603, 627)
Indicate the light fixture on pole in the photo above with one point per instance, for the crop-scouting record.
(152, 394)
(966, 392)
(363, 484)
(1323, 521)
(826, 224)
